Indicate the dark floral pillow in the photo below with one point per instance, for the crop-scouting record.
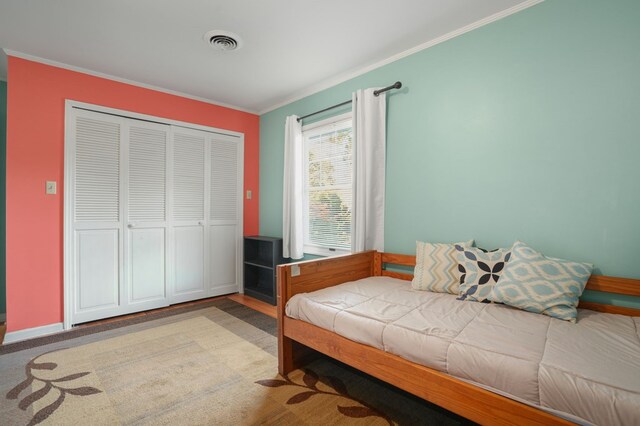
(480, 270)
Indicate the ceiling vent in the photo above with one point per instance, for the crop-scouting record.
(223, 40)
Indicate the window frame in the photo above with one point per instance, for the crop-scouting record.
(306, 129)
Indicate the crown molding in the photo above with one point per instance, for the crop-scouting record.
(57, 64)
(326, 84)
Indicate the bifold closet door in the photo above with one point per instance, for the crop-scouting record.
(189, 237)
(119, 227)
(206, 212)
(153, 215)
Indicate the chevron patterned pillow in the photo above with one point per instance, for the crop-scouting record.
(437, 267)
(540, 284)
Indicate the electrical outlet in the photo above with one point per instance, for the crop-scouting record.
(295, 270)
(51, 187)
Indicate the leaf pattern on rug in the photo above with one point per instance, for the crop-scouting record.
(48, 386)
(339, 389)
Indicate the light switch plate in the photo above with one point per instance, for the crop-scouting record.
(52, 187)
(248, 194)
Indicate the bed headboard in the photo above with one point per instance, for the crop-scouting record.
(601, 283)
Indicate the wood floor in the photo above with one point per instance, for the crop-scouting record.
(249, 302)
(255, 304)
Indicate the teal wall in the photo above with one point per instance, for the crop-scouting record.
(527, 128)
(3, 181)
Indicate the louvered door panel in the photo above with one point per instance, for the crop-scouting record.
(97, 228)
(146, 211)
(188, 176)
(223, 214)
(224, 180)
(189, 236)
(147, 174)
(97, 170)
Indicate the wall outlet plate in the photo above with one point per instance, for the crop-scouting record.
(295, 270)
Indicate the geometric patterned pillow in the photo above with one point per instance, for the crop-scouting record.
(480, 271)
(437, 267)
(540, 284)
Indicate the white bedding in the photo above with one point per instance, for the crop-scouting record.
(589, 370)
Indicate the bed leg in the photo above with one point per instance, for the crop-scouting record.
(286, 356)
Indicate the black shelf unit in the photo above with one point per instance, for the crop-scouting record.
(261, 256)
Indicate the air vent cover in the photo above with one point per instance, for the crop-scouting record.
(223, 40)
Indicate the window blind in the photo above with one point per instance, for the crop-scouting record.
(328, 185)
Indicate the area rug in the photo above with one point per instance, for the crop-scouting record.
(216, 365)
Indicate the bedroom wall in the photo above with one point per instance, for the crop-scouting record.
(3, 144)
(526, 128)
(35, 154)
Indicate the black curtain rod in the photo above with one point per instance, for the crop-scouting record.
(395, 85)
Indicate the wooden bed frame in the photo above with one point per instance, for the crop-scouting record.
(467, 400)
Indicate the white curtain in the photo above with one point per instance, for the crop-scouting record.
(369, 118)
(292, 227)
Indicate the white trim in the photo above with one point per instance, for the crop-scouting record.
(67, 227)
(131, 114)
(322, 251)
(308, 131)
(326, 84)
(57, 64)
(327, 121)
(240, 219)
(30, 333)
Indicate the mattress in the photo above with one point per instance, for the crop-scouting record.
(588, 372)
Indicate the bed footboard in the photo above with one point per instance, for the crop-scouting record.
(312, 275)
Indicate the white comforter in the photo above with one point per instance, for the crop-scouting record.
(589, 370)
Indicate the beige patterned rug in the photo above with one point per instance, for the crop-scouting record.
(211, 366)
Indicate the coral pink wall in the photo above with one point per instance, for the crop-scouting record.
(35, 153)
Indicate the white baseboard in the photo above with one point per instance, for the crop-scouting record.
(30, 333)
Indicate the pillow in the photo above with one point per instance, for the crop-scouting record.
(480, 270)
(436, 267)
(540, 284)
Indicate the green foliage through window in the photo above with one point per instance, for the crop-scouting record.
(329, 169)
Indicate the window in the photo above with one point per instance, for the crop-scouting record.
(328, 174)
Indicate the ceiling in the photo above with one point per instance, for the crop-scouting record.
(291, 47)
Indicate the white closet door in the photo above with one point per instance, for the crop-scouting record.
(224, 207)
(96, 220)
(153, 214)
(146, 233)
(189, 248)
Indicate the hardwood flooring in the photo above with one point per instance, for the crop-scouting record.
(255, 304)
(249, 302)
